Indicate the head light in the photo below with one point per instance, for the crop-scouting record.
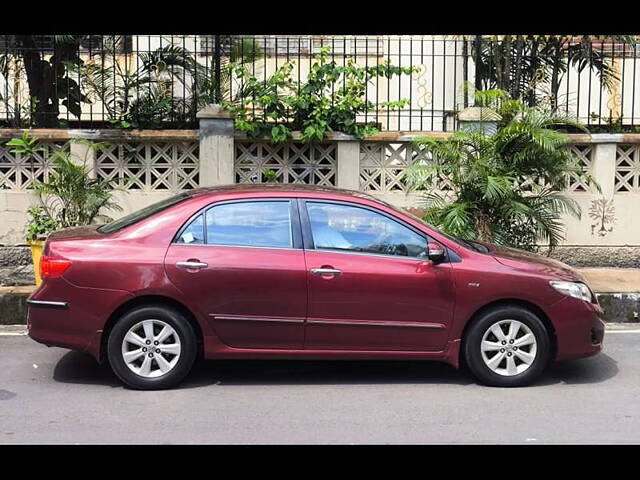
(573, 289)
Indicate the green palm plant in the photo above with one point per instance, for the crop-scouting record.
(532, 67)
(167, 84)
(70, 197)
(505, 187)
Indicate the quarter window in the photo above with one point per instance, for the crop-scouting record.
(194, 233)
(343, 227)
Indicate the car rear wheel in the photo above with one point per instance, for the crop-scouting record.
(507, 347)
(152, 347)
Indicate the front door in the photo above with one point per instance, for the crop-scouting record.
(371, 286)
(242, 264)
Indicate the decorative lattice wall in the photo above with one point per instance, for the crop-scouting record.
(259, 162)
(150, 166)
(383, 166)
(627, 178)
(18, 173)
(584, 154)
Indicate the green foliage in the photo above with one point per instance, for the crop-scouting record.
(70, 197)
(532, 67)
(330, 100)
(141, 97)
(25, 145)
(145, 96)
(489, 201)
(49, 79)
(270, 175)
(40, 224)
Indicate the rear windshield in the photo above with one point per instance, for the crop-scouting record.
(141, 214)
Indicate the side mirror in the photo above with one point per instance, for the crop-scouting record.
(436, 252)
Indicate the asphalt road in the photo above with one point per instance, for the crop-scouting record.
(52, 395)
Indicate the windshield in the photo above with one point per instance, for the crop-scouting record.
(470, 244)
(141, 214)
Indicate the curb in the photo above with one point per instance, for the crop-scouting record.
(618, 307)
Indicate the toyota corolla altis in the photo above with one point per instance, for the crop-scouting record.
(287, 272)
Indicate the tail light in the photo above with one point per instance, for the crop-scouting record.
(53, 267)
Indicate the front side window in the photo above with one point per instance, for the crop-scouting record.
(350, 228)
(251, 224)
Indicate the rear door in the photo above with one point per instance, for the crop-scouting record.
(242, 264)
(371, 286)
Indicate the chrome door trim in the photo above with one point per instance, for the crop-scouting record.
(231, 246)
(257, 319)
(47, 303)
(379, 323)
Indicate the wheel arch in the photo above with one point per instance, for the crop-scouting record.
(511, 302)
(145, 300)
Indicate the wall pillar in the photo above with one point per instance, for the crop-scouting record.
(604, 161)
(81, 151)
(348, 164)
(216, 146)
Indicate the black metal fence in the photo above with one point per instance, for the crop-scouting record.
(152, 81)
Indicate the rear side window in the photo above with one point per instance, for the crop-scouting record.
(248, 224)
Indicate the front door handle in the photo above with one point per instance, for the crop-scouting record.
(326, 271)
(190, 265)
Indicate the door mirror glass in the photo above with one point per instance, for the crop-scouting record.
(436, 252)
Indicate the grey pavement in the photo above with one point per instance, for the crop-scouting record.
(52, 395)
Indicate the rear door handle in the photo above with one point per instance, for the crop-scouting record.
(191, 265)
(325, 271)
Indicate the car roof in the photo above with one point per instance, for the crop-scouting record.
(242, 188)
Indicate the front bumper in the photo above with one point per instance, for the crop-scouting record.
(579, 328)
(61, 314)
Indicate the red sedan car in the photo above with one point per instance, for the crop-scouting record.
(284, 271)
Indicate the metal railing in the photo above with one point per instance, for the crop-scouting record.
(161, 81)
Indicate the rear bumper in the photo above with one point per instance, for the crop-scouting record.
(61, 314)
(579, 328)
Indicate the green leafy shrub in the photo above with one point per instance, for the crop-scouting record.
(69, 197)
(330, 100)
(40, 224)
(489, 199)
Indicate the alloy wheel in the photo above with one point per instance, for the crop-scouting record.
(509, 347)
(151, 348)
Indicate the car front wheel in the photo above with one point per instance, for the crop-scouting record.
(152, 347)
(507, 347)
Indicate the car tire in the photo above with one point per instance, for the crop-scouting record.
(492, 358)
(153, 329)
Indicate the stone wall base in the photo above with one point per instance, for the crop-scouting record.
(16, 267)
(599, 257)
(618, 307)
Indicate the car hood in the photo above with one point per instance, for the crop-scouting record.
(532, 262)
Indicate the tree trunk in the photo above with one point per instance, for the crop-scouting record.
(516, 91)
(507, 78)
(483, 227)
(40, 79)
